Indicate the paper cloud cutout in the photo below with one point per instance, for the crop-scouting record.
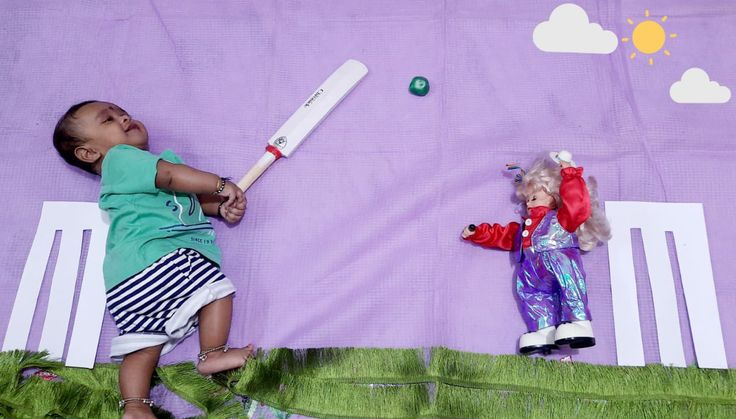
(696, 87)
(569, 30)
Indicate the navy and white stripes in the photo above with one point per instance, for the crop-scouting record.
(144, 302)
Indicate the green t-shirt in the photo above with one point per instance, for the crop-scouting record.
(146, 223)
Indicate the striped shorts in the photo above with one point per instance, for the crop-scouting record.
(144, 302)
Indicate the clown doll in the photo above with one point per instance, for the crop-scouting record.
(563, 218)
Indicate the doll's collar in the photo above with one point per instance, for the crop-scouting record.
(538, 212)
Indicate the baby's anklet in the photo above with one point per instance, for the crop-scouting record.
(143, 400)
(203, 355)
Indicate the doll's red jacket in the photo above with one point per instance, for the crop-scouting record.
(573, 212)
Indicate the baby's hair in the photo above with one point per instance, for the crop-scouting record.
(546, 177)
(67, 138)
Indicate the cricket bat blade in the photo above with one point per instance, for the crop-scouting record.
(302, 122)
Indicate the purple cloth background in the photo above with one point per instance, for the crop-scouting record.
(354, 240)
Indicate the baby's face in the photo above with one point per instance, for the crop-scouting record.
(105, 125)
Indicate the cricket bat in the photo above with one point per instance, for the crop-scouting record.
(307, 117)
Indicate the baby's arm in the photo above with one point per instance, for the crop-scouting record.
(185, 179)
(210, 204)
(493, 236)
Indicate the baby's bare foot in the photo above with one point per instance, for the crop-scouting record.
(222, 361)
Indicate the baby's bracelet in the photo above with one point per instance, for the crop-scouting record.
(220, 185)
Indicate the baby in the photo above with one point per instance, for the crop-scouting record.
(161, 267)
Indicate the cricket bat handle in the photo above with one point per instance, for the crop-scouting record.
(271, 155)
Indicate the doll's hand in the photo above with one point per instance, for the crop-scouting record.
(563, 157)
(231, 193)
(469, 231)
(234, 212)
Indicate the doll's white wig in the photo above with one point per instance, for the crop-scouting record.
(545, 176)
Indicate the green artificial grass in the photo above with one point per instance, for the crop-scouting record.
(78, 392)
(214, 399)
(386, 383)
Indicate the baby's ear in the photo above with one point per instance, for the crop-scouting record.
(86, 154)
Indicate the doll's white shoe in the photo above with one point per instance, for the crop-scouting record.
(541, 341)
(577, 334)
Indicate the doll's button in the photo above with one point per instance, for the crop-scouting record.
(525, 233)
(528, 222)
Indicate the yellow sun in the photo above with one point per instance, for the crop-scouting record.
(648, 37)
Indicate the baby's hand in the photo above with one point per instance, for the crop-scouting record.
(231, 193)
(234, 212)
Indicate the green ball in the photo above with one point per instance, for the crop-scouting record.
(419, 86)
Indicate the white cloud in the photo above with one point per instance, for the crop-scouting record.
(696, 87)
(569, 30)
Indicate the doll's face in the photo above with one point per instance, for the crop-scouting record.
(539, 198)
